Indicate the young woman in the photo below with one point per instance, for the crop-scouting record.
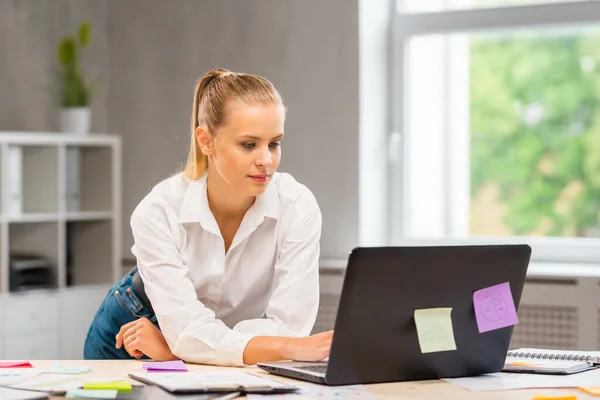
(227, 251)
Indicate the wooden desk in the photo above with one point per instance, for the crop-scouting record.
(401, 390)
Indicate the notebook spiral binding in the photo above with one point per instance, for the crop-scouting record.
(556, 356)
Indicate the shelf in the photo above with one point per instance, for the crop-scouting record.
(3, 153)
(54, 217)
(89, 216)
(50, 138)
(88, 178)
(3, 260)
(39, 239)
(89, 253)
(32, 180)
(60, 199)
(32, 218)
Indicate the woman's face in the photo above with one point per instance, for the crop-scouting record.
(246, 149)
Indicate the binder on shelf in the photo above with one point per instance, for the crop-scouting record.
(14, 173)
(73, 162)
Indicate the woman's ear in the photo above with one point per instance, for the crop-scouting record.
(204, 139)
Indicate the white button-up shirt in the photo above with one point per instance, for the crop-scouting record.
(209, 303)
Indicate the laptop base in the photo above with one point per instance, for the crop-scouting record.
(287, 370)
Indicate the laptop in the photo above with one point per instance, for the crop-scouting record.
(375, 338)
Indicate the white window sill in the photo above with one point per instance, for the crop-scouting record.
(536, 269)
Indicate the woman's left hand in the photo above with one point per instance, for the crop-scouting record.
(141, 337)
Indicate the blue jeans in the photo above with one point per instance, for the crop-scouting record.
(121, 305)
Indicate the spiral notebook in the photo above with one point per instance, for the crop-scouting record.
(560, 362)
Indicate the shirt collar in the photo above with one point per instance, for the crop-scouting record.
(194, 207)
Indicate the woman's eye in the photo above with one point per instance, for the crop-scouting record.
(248, 145)
(274, 145)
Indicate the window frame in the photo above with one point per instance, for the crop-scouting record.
(409, 25)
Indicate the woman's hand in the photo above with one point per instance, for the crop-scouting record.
(310, 348)
(143, 337)
(277, 348)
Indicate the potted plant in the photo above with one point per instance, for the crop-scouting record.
(75, 92)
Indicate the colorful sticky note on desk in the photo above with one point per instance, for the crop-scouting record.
(522, 364)
(593, 390)
(434, 329)
(494, 308)
(120, 386)
(539, 397)
(57, 368)
(92, 394)
(15, 364)
(171, 366)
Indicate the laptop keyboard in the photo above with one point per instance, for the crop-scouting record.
(314, 368)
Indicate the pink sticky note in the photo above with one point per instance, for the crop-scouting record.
(15, 364)
(171, 366)
(494, 308)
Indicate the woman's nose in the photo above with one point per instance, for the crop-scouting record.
(264, 158)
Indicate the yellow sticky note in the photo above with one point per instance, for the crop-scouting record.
(121, 386)
(522, 364)
(595, 390)
(539, 397)
(434, 329)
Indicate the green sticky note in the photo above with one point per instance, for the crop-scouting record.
(66, 369)
(121, 386)
(92, 394)
(434, 329)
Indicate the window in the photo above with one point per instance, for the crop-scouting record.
(423, 6)
(500, 115)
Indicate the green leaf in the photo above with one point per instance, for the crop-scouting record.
(67, 52)
(84, 34)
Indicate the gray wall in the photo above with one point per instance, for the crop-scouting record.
(149, 55)
(29, 33)
(308, 49)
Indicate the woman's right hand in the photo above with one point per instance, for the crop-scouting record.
(310, 348)
(278, 348)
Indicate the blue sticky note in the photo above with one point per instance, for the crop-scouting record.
(92, 394)
(67, 369)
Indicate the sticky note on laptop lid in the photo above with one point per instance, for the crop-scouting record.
(494, 308)
(434, 329)
(171, 366)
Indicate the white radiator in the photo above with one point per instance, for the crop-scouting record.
(555, 312)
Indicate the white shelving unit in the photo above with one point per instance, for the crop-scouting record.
(68, 212)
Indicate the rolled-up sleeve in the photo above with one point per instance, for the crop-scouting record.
(293, 306)
(191, 330)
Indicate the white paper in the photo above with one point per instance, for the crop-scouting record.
(206, 380)
(9, 376)
(509, 381)
(51, 382)
(13, 394)
(312, 391)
